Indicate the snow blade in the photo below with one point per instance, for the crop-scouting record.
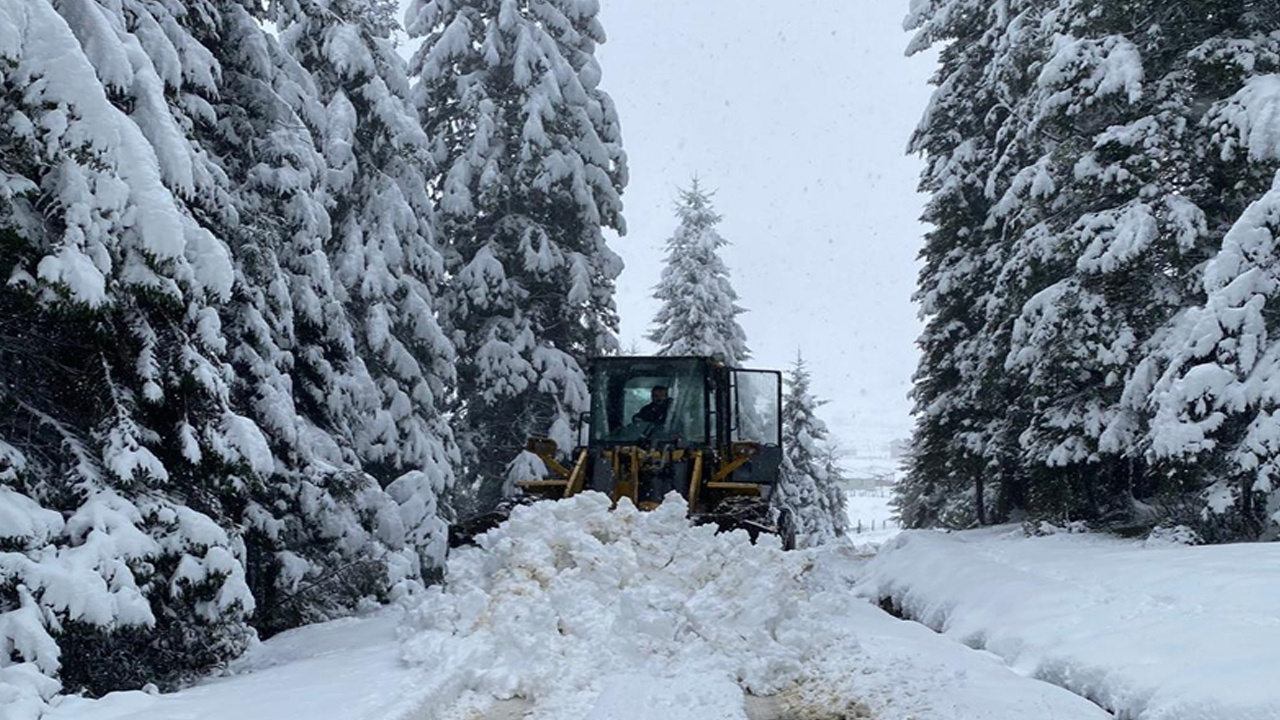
(465, 532)
(752, 515)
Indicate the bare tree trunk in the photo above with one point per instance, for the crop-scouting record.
(979, 487)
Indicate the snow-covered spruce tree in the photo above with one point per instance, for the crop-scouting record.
(699, 310)
(1208, 376)
(1099, 200)
(1069, 349)
(1218, 403)
(531, 169)
(169, 414)
(376, 379)
(807, 491)
(1112, 214)
(965, 438)
(835, 500)
(320, 533)
(382, 246)
(109, 350)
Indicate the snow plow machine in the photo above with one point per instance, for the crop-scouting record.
(691, 425)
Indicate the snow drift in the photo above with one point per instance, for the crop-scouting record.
(581, 611)
(1150, 630)
(566, 594)
(570, 611)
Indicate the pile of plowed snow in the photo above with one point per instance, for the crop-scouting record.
(572, 612)
(567, 597)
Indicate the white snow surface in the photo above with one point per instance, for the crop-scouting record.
(342, 670)
(567, 593)
(1152, 630)
(571, 611)
(872, 520)
(590, 613)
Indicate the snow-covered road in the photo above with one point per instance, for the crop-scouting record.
(347, 669)
(574, 612)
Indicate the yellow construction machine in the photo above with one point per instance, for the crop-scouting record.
(657, 425)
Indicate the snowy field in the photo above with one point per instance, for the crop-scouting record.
(1149, 630)
(573, 612)
(871, 520)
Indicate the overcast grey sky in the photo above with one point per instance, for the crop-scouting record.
(798, 113)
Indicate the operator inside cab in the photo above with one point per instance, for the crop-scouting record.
(656, 411)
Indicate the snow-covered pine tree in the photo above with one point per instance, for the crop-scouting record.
(1063, 346)
(807, 493)
(110, 353)
(382, 245)
(1217, 406)
(321, 535)
(1123, 215)
(1130, 202)
(170, 412)
(835, 502)
(699, 311)
(965, 432)
(531, 170)
(1099, 199)
(378, 378)
(1208, 378)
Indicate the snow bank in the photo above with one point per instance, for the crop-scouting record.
(1153, 631)
(567, 593)
(583, 612)
(345, 669)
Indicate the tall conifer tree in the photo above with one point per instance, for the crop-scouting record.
(188, 396)
(114, 391)
(807, 494)
(382, 245)
(699, 310)
(1098, 154)
(320, 522)
(1218, 403)
(531, 169)
(960, 396)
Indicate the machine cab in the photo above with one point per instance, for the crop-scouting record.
(651, 401)
(683, 402)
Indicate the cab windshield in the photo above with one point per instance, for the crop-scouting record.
(649, 400)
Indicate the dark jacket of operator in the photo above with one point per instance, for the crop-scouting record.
(656, 410)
